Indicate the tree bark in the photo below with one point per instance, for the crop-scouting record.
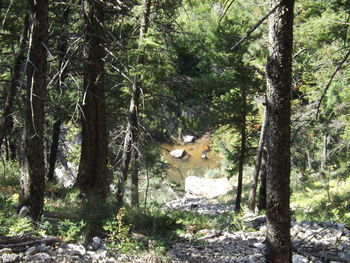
(132, 130)
(262, 189)
(54, 147)
(33, 166)
(6, 121)
(252, 193)
(92, 173)
(62, 51)
(279, 67)
(135, 181)
(242, 151)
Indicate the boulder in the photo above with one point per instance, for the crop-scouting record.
(178, 153)
(206, 187)
(188, 138)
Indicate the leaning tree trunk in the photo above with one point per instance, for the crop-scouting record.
(132, 130)
(92, 173)
(242, 151)
(33, 167)
(62, 52)
(279, 68)
(7, 119)
(252, 193)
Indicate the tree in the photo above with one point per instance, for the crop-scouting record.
(62, 46)
(6, 121)
(278, 69)
(33, 165)
(242, 150)
(130, 146)
(258, 161)
(92, 173)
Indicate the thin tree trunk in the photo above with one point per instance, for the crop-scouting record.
(92, 173)
(242, 151)
(262, 189)
(132, 130)
(54, 148)
(135, 181)
(279, 68)
(6, 120)
(62, 51)
(326, 141)
(33, 166)
(252, 193)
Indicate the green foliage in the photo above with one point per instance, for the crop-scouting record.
(20, 225)
(320, 200)
(70, 230)
(119, 236)
(9, 174)
(10, 222)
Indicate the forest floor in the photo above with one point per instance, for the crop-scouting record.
(312, 242)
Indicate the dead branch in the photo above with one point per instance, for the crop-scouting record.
(255, 27)
(17, 243)
(330, 82)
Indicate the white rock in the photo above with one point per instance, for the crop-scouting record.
(259, 245)
(5, 251)
(7, 258)
(299, 259)
(206, 187)
(24, 211)
(188, 138)
(178, 153)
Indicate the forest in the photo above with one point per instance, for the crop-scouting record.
(175, 131)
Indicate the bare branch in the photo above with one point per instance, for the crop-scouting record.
(255, 27)
(330, 82)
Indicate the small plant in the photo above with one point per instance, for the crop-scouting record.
(20, 225)
(70, 230)
(119, 234)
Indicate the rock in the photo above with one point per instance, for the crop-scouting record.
(208, 233)
(31, 251)
(178, 153)
(96, 243)
(299, 259)
(257, 221)
(259, 245)
(24, 211)
(9, 258)
(5, 251)
(206, 187)
(188, 138)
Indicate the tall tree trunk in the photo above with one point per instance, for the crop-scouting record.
(6, 120)
(55, 138)
(135, 181)
(279, 68)
(33, 167)
(326, 141)
(252, 193)
(132, 130)
(92, 173)
(242, 151)
(62, 51)
(262, 189)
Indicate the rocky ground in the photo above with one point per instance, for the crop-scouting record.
(312, 242)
